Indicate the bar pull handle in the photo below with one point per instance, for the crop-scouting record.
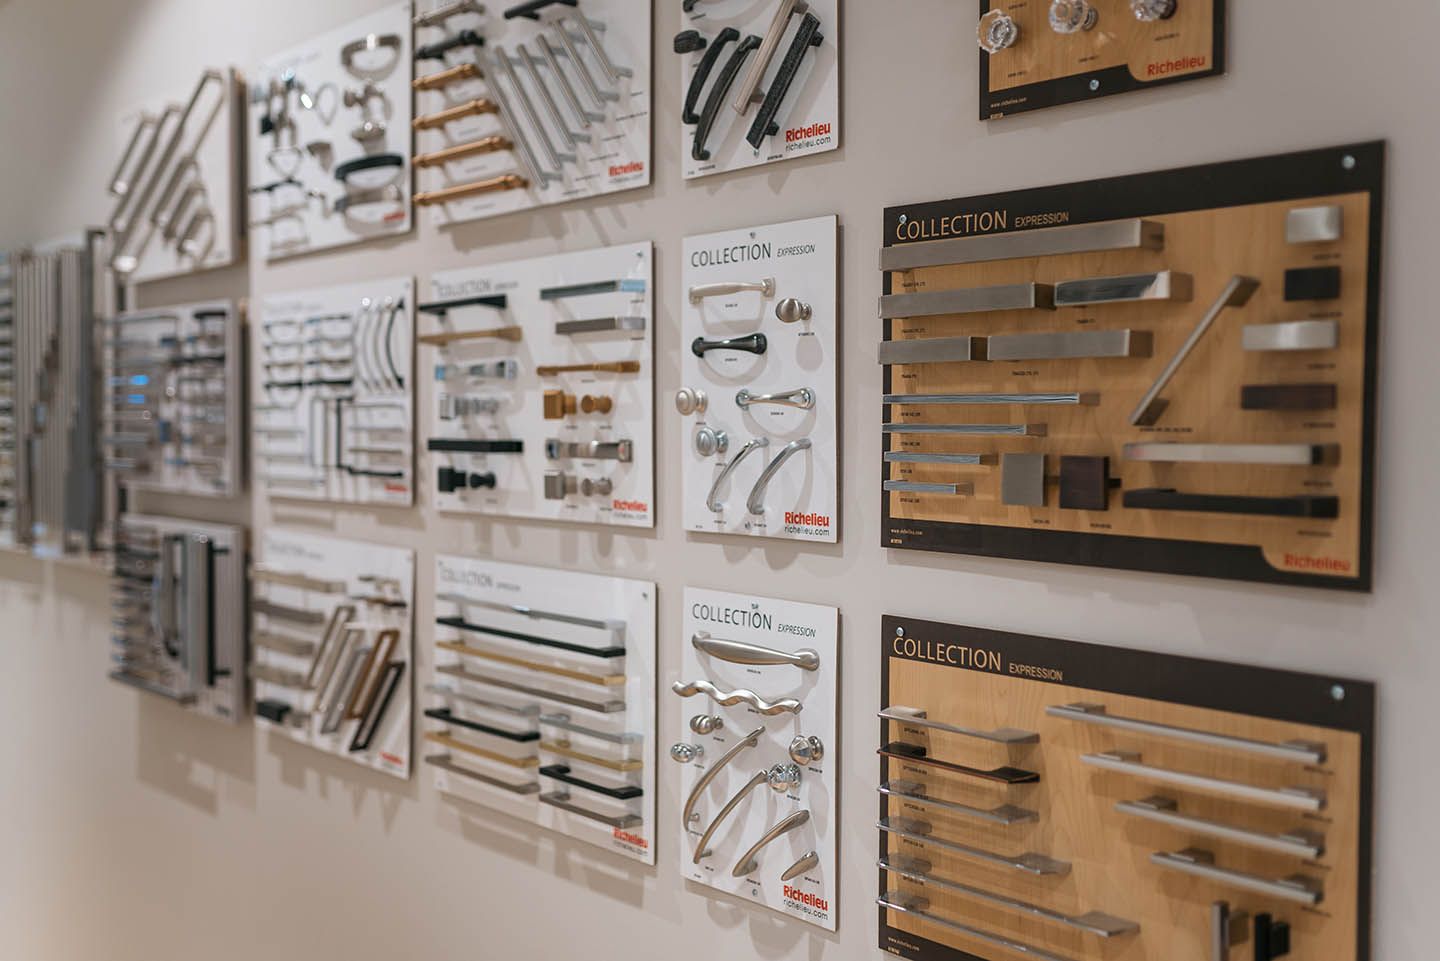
(493, 144)
(552, 153)
(539, 667)
(197, 588)
(443, 338)
(711, 500)
(477, 188)
(437, 50)
(613, 72)
(747, 862)
(750, 740)
(537, 174)
(531, 10)
(807, 36)
(918, 717)
(563, 774)
(119, 184)
(702, 73)
(1293, 798)
(1197, 862)
(750, 344)
(447, 716)
(738, 652)
(1227, 929)
(802, 398)
(600, 624)
(470, 108)
(718, 93)
(436, 17)
(922, 832)
(383, 694)
(918, 907)
(445, 763)
(443, 78)
(610, 367)
(598, 325)
(562, 801)
(755, 503)
(164, 609)
(749, 91)
(781, 777)
(442, 308)
(267, 575)
(914, 791)
(916, 754)
(1164, 810)
(1303, 752)
(1152, 406)
(785, 705)
(702, 292)
(567, 90)
(622, 450)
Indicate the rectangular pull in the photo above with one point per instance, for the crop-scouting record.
(919, 908)
(1289, 397)
(915, 754)
(600, 624)
(749, 91)
(447, 716)
(1071, 345)
(526, 711)
(461, 624)
(1133, 288)
(918, 717)
(562, 801)
(564, 749)
(914, 829)
(976, 430)
(1301, 752)
(1268, 455)
(917, 487)
(563, 774)
(613, 706)
(971, 300)
(913, 457)
(1319, 507)
(460, 446)
(1292, 798)
(1043, 400)
(627, 286)
(568, 328)
(1199, 863)
(563, 722)
(445, 337)
(267, 575)
(915, 792)
(1293, 335)
(1133, 234)
(622, 450)
(602, 680)
(445, 763)
(932, 350)
(445, 739)
(441, 308)
(377, 706)
(284, 612)
(1164, 810)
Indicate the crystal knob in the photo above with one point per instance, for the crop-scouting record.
(1151, 10)
(783, 777)
(685, 753)
(1072, 16)
(997, 31)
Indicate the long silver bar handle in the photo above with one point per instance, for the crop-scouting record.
(436, 17)
(119, 187)
(195, 583)
(750, 447)
(748, 741)
(785, 705)
(738, 652)
(603, 624)
(749, 92)
(919, 831)
(532, 67)
(1200, 863)
(914, 792)
(916, 717)
(508, 120)
(612, 72)
(919, 907)
(1291, 798)
(701, 292)
(755, 503)
(801, 397)
(591, 87)
(1306, 752)
(701, 851)
(567, 90)
(1164, 810)
(556, 157)
(747, 862)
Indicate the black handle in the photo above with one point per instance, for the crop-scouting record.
(1303, 505)
(751, 344)
(460, 624)
(452, 480)
(702, 72)
(368, 163)
(273, 711)
(806, 37)
(689, 41)
(718, 93)
(531, 10)
(561, 772)
(689, 5)
(1272, 938)
(438, 49)
(365, 733)
(442, 307)
(448, 716)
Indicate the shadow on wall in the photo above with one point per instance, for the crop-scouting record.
(196, 760)
(301, 764)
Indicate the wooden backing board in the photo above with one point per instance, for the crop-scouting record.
(1241, 231)
(1005, 680)
(1119, 54)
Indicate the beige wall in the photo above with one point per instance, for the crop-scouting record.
(130, 831)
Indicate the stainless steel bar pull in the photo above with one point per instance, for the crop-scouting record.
(1293, 798)
(748, 863)
(621, 450)
(711, 499)
(915, 792)
(755, 503)
(785, 705)
(1304, 752)
(801, 397)
(749, 92)
(701, 292)
(1200, 863)
(750, 740)
(918, 717)
(914, 829)
(1163, 810)
(919, 907)
(1045, 242)
(738, 652)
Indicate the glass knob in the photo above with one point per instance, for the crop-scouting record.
(1072, 16)
(997, 31)
(1151, 10)
(685, 753)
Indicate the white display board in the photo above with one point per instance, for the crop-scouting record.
(331, 638)
(175, 186)
(760, 419)
(544, 395)
(552, 106)
(333, 413)
(329, 138)
(779, 62)
(757, 700)
(544, 697)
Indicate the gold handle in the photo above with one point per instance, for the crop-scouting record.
(564, 749)
(368, 686)
(438, 737)
(618, 367)
(451, 336)
(435, 81)
(602, 680)
(483, 145)
(432, 120)
(493, 185)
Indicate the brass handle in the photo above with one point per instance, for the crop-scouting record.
(430, 121)
(493, 144)
(559, 404)
(616, 367)
(602, 680)
(455, 744)
(460, 191)
(451, 336)
(435, 81)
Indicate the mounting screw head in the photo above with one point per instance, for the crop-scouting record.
(1337, 693)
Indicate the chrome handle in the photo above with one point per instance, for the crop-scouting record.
(808, 861)
(556, 157)
(755, 503)
(919, 907)
(1305, 752)
(709, 441)
(437, 17)
(506, 115)
(685, 753)
(119, 186)
(701, 851)
(687, 814)
(1164, 810)
(801, 397)
(562, 801)
(602, 624)
(917, 717)
(701, 292)
(562, 722)
(749, 91)
(1293, 798)
(914, 829)
(1227, 929)
(738, 652)
(620, 450)
(785, 705)
(747, 862)
(612, 72)
(1200, 863)
(915, 791)
(758, 443)
(750, 344)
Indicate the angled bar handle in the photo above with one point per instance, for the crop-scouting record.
(755, 503)
(531, 9)
(434, 18)
(747, 862)
(613, 72)
(738, 652)
(749, 91)
(507, 115)
(750, 740)
(702, 292)
(702, 851)
(758, 443)
(119, 185)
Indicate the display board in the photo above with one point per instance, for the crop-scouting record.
(175, 399)
(544, 399)
(9, 448)
(331, 625)
(761, 83)
(1170, 371)
(544, 693)
(530, 104)
(1166, 807)
(329, 138)
(334, 417)
(760, 361)
(176, 185)
(758, 703)
(1037, 55)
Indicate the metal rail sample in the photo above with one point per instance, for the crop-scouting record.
(1163, 810)
(1302, 752)
(1297, 888)
(1132, 234)
(922, 832)
(919, 717)
(1306, 799)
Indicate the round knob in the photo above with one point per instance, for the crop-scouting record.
(706, 723)
(709, 441)
(1072, 16)
(600, 486)
(806, 750)
(595, 405)
(685, 753)
(997, 31)
(783, 777)
(792, 311)
(1152, 10)
(689, 401)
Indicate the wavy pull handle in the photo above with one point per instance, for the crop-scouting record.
(758, 443)
(785, 705)
(755, 503)
(738, 652)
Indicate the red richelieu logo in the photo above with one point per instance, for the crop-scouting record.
(1164, 67)
(801, 519)
(808, 900)
(619, 170)
(634, 840)
(632, 507)
(805, 133)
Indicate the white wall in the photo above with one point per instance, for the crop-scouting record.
(131, 831)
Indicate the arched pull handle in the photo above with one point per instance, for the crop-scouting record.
(710, 499)
(745, 743)
(747, 862)
(801, 397)
(756, 502)
(699, 293)
(751, 344)
(738, 652)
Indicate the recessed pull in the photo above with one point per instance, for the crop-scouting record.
(1200, 863)
(922, 832)
(702, 292)
(755, 503)
(739, 652)
(1305, 799)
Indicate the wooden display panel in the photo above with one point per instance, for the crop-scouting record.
(1219, 222)
(1120, 53)
(992, 681)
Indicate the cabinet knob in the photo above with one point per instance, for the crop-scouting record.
(1072, 16)
(998, 30)
(690, 400)
(1152, 10)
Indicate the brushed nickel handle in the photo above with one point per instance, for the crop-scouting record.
(1163, 810)
(1304, 752)
(747, 862)
(915, 792)
(801, 397)
(922, 832)
(701, 851)
(1200, 863)
(755, 503)
(1293, 798)
(918, 907)
(706, 724)
(750, 740)
(738, 652)
(785, 705)
(701, 292)
(749, 92)
(808, 861)
(758, 443)
(751, 344)
(917, 717)
(436, 17)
